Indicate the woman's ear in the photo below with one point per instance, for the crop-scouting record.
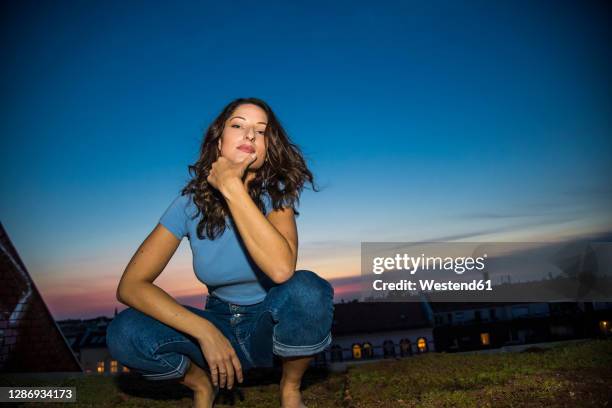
(219, 144)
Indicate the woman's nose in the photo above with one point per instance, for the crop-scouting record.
(250, 134)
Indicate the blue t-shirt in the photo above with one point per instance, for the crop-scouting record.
(223, 264)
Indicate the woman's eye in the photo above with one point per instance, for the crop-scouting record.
(235, 125)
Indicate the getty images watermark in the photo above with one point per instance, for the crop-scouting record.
(485, 272)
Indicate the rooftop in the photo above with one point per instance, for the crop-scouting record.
(573, 374)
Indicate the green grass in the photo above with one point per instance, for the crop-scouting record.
(570, 375)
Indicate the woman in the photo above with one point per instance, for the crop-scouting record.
(238, 214)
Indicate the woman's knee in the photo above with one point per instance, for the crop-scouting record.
(126, 334)
(114, 335)
(305, 315)
(118, 333)
(307, 282)
(145, 344)
(308, 295)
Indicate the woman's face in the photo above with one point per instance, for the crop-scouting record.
(243, 134)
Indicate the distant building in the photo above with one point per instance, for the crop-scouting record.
(375, 330)
(88, 340)
(511, 317)
(480, 325)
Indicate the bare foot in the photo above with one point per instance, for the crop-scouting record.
(290, 396)
(198, 381)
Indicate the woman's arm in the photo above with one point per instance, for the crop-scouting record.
(272, 242)
(136, 288)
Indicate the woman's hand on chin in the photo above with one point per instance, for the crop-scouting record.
(224, 172)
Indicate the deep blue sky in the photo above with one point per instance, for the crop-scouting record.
(484, 120)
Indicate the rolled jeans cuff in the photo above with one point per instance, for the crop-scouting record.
(178, 372)
(285, 350)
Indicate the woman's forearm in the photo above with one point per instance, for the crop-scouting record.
(268, 248)
(155, 302)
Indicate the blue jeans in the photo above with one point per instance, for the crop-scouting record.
(294, 319)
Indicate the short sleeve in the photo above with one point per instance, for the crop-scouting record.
(175, 217)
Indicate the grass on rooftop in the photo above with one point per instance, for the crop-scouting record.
(569, 375)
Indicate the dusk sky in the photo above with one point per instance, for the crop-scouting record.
(479, 121)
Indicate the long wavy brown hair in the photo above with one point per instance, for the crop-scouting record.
(281, 177)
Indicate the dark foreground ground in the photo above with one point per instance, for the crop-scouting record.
(572, 375)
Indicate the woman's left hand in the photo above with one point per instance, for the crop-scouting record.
(223, 171)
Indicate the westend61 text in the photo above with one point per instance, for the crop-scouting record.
(431, 285)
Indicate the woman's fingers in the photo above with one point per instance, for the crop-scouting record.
(234, 368)
(246, 162)
(237, 367)
(222, 359)
(222, 375)
(223, 370)
(214, 375)
(223, 169)
(230, 374)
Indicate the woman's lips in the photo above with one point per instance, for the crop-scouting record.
(246, 148)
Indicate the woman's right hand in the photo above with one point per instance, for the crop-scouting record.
(221, 357)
